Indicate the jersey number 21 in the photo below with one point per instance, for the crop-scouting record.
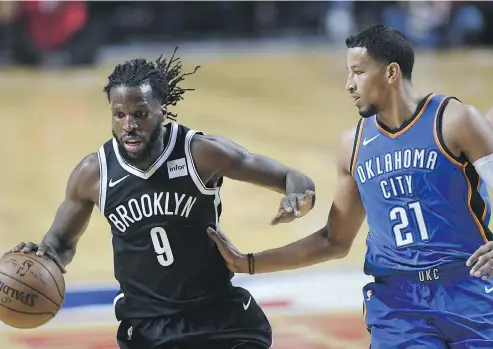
(162, 246)
(400, 214)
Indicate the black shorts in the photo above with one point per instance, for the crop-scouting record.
(233, 322)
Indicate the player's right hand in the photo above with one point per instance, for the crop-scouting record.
(41, 249)
(481, 261)
(294, 206)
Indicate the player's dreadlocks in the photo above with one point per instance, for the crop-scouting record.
(163, 76)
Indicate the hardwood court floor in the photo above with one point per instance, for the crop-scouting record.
(309, 331)
(291, 107)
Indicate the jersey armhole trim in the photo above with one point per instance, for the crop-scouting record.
(475, 202)
(356, 145)
(191, 166)
(103, 179)
(437, 130)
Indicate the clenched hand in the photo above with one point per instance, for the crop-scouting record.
(294, 206)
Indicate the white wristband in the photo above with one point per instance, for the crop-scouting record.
(484, 168)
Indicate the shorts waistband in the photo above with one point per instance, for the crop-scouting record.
(445, 272)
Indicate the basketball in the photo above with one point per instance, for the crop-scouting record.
(32, 290)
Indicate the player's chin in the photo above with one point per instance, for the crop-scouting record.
(365, 112)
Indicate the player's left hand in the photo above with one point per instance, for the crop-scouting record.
(236, 261)
(483, 257)
(294, 206)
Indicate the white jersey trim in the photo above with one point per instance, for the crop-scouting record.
(217, 201)
(103, 179)
(191, 167)
(157, 164)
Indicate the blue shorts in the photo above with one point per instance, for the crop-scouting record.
(440, 308)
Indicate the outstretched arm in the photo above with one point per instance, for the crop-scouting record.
(73, 215)
(332, 241)
(216, 157)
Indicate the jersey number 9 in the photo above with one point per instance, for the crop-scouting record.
(162, 247)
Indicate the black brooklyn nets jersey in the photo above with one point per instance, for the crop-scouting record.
(163, 258)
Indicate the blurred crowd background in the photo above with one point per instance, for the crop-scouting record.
(73, 33)
(272, 79)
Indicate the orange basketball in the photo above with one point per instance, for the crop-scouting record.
(32, 290)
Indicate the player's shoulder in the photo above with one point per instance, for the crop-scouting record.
(212, 138)
(88, 166)
(214, 143)
(347, 137)
(85, 176)
(213, 152)
(457, 113)
(489, 115)
(89, 161)
(456, 106)
(460, 123)
(209, 141)
(346, 146)
(202, 141)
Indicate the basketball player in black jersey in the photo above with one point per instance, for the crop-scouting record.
(158, 186)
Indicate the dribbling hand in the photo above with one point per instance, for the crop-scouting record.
(483, 257)
(41, 249)
(294, 206)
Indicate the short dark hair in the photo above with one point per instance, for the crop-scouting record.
(386, 45)
(163, 76)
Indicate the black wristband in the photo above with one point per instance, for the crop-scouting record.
(251, 264)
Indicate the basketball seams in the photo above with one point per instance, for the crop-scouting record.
(56, 283)
(25, 312)
(51, 316)
(32, 288)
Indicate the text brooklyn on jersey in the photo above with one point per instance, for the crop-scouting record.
(163, 258)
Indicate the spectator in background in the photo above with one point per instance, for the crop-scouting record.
(435, 23)
(7, 16)
(339, 21)
(54, 33)
(467, 24)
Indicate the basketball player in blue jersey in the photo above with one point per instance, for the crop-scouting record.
(158, 186)
(416, 166)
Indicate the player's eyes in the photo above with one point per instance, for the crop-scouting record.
(141, 114)
(356, 72)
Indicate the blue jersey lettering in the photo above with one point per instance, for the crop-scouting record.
(425, 207)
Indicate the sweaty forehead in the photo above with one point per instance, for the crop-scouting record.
(120, 95)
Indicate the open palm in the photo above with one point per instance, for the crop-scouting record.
(236, 261)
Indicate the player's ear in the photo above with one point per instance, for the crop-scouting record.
(393, 72)
(164, 112)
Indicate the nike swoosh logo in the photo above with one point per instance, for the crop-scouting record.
(368, 141)
(245, 306)
(112, 184)
(488, 290)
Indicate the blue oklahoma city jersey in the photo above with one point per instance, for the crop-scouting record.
(425, 207)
